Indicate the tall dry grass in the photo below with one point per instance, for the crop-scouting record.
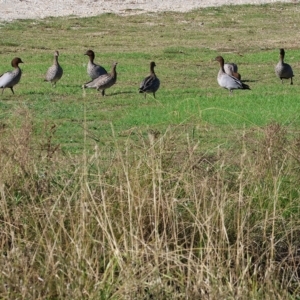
(155, 221)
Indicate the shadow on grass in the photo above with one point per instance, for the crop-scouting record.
(248, 80)
(118, 93)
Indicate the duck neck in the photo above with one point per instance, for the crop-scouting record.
(222, 66)
(152, 70)
(92, 57)
(281, 58)
(55, 61)
(114, 72)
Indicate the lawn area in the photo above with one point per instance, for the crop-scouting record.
(193, 194)
(182, 45)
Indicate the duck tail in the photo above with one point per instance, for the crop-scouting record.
(246, 86)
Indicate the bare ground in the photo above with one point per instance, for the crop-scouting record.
(32, 9)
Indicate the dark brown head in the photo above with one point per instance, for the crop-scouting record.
(220, 59)
(56, 53)
(281, 53)
(90, 53)
(114, 65)
(152, 65)
(16, 61)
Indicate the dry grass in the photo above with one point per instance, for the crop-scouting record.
(152, 222)
(203, 209)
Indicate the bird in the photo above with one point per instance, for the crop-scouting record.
(282, 69)
(93, 69)
(55, 72)
(103, 82)
(11, 78)
(151, 83)
(231, 69)
(227, 81)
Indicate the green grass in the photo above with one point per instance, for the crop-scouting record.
(192, 195)
(183, 46)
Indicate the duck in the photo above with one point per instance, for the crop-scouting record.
(151, 83)
(227, 81)
(55, 72)
(231, 69)
(103, 82)
(93, 69)
(282, 69)
(11, 78)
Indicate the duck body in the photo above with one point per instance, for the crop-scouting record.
(103, 82)
(151, 83)
(227, 81)
(94, 70)
(282, 69)
(11, 78)
(231, 69)
(55, 72)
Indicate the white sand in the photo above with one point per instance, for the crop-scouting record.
(32, 9)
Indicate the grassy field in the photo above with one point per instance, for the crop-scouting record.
(193, 194)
